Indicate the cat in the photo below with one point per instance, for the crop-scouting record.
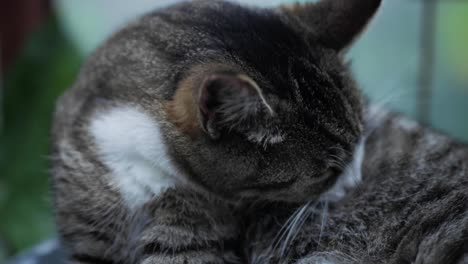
(192, 112)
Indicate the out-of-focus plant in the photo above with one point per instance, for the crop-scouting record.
(46, 66)
(454, 36)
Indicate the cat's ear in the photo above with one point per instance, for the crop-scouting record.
(335, 23)
(229, 101)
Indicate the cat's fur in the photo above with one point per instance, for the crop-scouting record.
(412, 206)
(193, 111)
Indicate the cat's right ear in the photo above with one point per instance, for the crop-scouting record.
(229, 100)
(334, 23)
(212, 101)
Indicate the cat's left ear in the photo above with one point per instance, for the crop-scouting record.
(334, 23)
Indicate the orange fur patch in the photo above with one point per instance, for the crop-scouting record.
(182, 110)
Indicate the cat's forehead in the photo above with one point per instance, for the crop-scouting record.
(264, 40)
(251, 33)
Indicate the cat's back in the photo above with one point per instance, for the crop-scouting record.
(400, 145)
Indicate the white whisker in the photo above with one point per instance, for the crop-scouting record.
(324, 220)
(294, 228)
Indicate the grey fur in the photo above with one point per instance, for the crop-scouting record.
(239, 192)
(411, 208)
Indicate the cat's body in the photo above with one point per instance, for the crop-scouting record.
(192, 111)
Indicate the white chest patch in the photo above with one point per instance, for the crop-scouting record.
(351, 176)
(129, 143)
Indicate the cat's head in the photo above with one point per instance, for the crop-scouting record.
(250, 103)
(269, 110)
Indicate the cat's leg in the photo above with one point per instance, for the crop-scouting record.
(90, 220)
(177, 226)
(187, 227)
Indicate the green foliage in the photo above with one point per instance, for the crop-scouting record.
(47, 65)
(454, 38)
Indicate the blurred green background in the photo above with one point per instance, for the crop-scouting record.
(385, 60)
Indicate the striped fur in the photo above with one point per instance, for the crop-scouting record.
(412, 206)
(209, 132)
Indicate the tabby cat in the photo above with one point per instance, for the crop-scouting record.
(196, 132)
